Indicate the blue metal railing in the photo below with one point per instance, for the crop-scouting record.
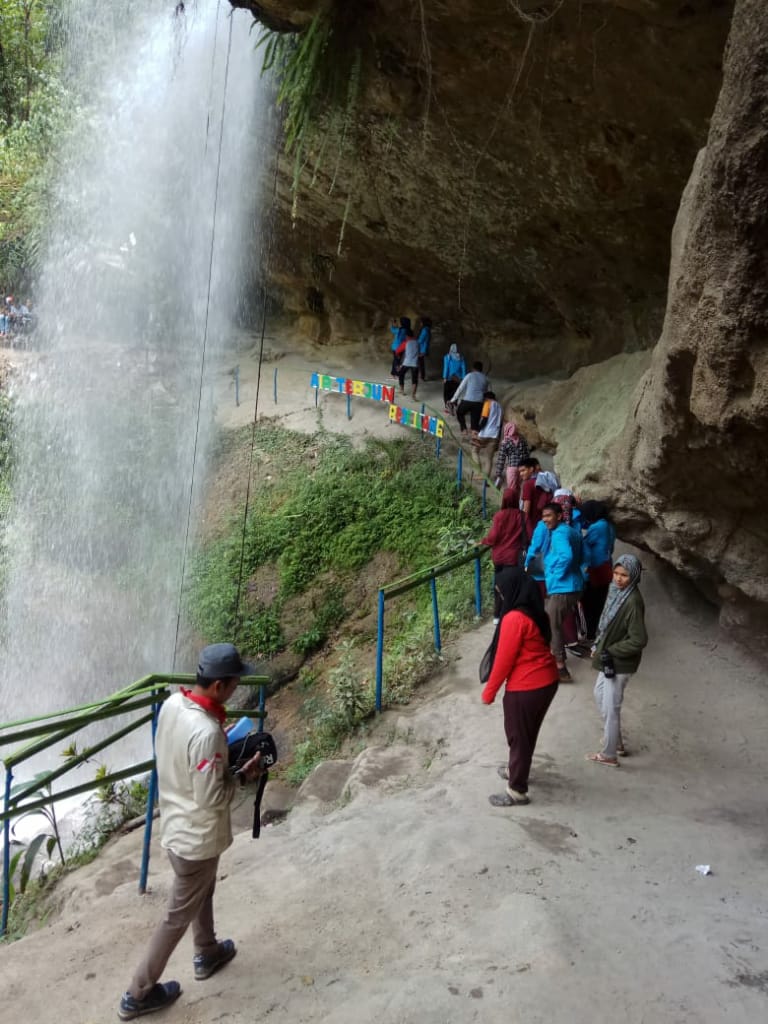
(44, 731)
(417, 580)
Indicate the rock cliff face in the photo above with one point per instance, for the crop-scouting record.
(515, 174)
(693, 454)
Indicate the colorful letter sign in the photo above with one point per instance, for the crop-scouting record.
(356, 388)
(418, 421)
(379, 393)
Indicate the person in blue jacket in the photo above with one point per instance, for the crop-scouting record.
(599, 538)
(424, 339)
(562, 577)
(401, 331)
(454, 372)
(537, 549)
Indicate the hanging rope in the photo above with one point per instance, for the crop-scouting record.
(265, 264)
(205, 343)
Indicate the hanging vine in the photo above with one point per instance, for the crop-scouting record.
(319, 76)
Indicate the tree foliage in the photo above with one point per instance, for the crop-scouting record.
(30, 106)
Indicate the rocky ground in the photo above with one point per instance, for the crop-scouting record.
(395, 893)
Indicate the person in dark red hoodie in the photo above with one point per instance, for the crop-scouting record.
(506, 538)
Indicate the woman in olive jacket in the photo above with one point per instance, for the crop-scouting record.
(621, 638)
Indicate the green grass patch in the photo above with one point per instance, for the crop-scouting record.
(300, 573)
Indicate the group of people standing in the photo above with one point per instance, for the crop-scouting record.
(557, 586)
(410, 351)
(14, 318)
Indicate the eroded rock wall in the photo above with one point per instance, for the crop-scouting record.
(515, 175)
(686, 475)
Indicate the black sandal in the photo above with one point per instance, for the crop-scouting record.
(505, 800)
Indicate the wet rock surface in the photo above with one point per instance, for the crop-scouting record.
(515, 175)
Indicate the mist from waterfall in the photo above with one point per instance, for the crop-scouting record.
(106, 403)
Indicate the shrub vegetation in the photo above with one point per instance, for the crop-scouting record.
(322, 513)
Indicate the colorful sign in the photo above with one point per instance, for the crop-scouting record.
(419, 421)
(357, 388)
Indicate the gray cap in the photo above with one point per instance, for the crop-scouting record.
(219, 661)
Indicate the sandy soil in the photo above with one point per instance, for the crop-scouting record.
(395, 893)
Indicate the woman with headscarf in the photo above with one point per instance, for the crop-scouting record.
(597, 553)
(522, 662)
(512, 450)
(506, 540)
(620, 641)
(454, 372)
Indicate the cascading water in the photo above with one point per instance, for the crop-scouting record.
(130, 336)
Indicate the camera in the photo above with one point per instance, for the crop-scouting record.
(254, 743)
(607, 666)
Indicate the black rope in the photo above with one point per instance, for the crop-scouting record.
(255, 405)
(205, 343)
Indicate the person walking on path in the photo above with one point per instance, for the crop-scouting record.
(523, 664)
(410, 363)
(617, 653)
(424, 339)
(469, 398)
(512, 450)
(196, 789)
(532, 497)
(401, 332)
(598, 541)
(562, 578)
(506, 539)
(454, 372)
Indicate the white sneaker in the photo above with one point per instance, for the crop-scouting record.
(496, 622)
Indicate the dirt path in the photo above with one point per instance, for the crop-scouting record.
(410, 900)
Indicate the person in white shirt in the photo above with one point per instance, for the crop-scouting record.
(196, 788)
(468, 398)
(410, 362)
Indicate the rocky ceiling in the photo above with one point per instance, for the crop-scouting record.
(515, 174)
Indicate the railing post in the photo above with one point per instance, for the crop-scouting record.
(478, 588)
(317, 395)
(435, 614)
(274, 384)
(6, 852)
(349, 406)
(262, 707)
(459, 467)
(380, 652)
(437, 447)
(149, 817)
(237, 386)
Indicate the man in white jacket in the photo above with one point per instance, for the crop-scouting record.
(196, 789)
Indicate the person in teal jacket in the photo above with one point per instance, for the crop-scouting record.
(454, 372)
(598, 540)
(562, 577)
(424, 339)
(401, 333)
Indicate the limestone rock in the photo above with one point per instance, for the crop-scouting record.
(693, 454)
(515, 175)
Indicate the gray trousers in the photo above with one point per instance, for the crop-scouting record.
(190, 903)
(609, 693)
(558, 606)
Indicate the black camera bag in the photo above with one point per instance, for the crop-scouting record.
(242, 751)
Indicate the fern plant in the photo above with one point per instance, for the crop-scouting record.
(319, 77)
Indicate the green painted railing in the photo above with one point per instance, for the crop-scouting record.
(143, 698)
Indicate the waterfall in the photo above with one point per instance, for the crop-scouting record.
(130, 341)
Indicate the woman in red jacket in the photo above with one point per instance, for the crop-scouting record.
(506, 538)
(522, 661)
